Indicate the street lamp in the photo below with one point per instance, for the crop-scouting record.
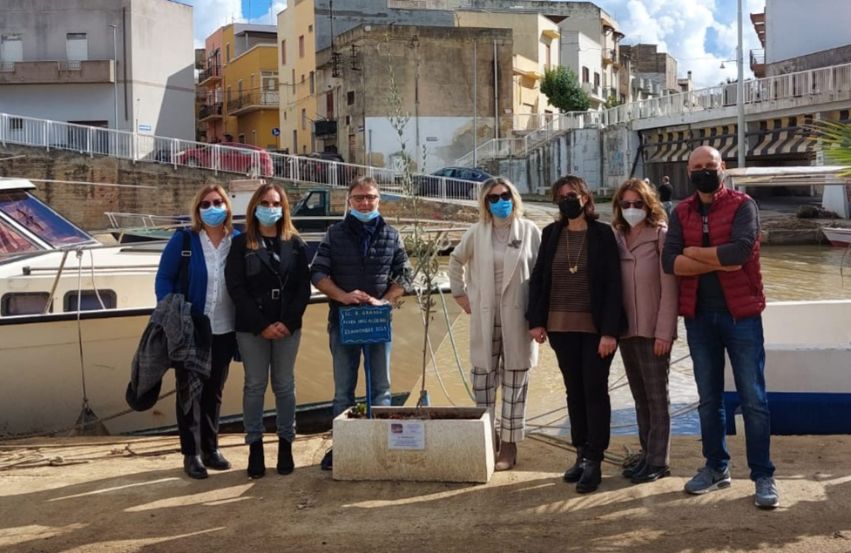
(740, 93)
(115, 74)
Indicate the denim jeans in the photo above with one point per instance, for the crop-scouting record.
(709, 334)
(346, 360)
(262, 357)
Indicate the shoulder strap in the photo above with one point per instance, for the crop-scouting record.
(185, 255)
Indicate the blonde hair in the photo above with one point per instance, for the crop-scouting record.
(655, 213)
(485, 214)
(285, 227)
(195, 207)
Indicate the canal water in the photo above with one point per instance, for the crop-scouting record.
(790, 273)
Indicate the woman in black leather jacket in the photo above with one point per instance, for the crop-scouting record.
(269, 281)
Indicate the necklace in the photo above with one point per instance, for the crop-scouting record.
(573, 267)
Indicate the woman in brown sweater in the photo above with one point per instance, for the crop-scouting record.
(575, 301)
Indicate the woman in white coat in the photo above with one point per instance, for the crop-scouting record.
(489, 272)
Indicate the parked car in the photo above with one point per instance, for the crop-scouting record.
(451, 182)
(229, 156)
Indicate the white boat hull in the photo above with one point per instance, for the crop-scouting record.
(807, 368)
(43, 391)
(839, 237)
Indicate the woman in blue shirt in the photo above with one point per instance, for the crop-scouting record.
(209, 244)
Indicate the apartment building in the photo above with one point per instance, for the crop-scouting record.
(795, 39)
(240, 85)
(436, 71)
(651, 73)
(535, 40)
(121, 64)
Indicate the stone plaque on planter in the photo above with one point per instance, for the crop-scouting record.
(444, 444)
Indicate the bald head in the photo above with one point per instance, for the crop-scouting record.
(705, 157)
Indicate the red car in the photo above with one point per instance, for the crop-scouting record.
(229, 156)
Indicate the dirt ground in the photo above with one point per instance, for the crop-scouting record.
(130, 495)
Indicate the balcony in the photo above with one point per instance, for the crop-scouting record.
(593, 90)
(253, 101)
(57, 72)
(610, 56)
(325, 128)
(211, 74)
(209, 112)
(758, 63)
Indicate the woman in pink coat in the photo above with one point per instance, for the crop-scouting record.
(650, 303)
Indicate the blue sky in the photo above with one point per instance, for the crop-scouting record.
(700, 34)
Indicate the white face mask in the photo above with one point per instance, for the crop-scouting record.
(634, 216)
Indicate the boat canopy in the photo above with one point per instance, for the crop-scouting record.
(27, 224)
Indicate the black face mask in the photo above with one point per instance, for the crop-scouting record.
(705, 180)
(570, 208)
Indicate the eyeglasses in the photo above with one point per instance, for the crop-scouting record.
(205, 204)
(493, 198)
(568, 196)
(364, 197)
(638, 204)
(266, 203)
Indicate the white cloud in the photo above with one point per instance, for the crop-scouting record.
(209, 15)
(680, 29)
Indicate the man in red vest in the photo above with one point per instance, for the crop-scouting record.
(713, 247)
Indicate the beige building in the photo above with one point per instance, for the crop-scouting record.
(536, 49)
(436, 73)
(297, 71)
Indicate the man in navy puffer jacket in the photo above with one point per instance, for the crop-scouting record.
(361, 260)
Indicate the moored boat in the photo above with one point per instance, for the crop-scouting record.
(837, 236)
(54, 357)
(807, 368)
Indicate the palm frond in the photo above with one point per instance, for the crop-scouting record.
(834, 140)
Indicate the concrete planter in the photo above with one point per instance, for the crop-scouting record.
(454, 445)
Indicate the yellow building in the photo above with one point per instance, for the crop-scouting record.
(249, 81)
(536, 48)
(297, 70)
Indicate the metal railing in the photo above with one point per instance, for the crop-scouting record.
(210, 110)
(212, 71)
(262, 98)
(826, 84)
(245, 160)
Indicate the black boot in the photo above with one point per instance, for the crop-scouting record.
(286, 465)
(574, 473)
(215, 460)
(650, 473)
(193, 467)
(256, 462)
(634, 468)
(592, 475)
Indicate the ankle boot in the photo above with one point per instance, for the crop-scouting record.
(507, 456)
(193, 467)
(592, 475)
(286, 465)
(256, 462)
(574, 473)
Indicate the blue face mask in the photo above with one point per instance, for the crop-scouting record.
(214, 216)
(364, 217)
(501, 209)
(267, 216)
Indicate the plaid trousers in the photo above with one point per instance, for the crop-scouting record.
(648, 380)
(512, 425)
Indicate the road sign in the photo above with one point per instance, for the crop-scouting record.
(276, 132)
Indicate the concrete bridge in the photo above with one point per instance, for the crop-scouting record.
(652, 138)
